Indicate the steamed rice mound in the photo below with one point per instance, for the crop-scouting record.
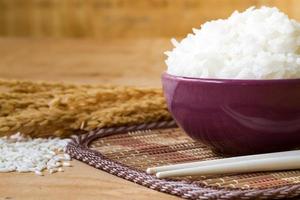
(255, 44)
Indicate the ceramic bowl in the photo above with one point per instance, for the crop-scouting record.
(236, 116)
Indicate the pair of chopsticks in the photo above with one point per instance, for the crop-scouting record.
(286, 160)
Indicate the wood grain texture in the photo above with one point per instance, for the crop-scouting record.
(78, 182)
(127, 62)
(120, 18)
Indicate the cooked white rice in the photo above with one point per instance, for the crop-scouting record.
(255, 44)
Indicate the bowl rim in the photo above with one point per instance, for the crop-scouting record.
(232, 81)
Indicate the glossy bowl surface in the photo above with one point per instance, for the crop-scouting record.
(236, 116)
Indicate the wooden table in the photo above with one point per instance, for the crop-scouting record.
(126, 62)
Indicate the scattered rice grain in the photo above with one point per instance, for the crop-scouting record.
(24, 154)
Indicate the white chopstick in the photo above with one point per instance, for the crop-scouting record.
(268, 164)
(154, 170)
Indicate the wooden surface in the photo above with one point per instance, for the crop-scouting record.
(130, 62)
(80, 182)
(120, 18)
(118, 62)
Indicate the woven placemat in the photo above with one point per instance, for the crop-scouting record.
(127, 151)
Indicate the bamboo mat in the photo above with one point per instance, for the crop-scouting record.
(127, 151)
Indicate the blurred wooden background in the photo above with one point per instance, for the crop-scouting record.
(103, 41)
(119, 18)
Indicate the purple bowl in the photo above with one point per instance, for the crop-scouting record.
(236, 116)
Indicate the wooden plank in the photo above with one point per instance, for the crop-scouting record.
(3, 20)
(130, 62)
(78, 182)
(120, 18)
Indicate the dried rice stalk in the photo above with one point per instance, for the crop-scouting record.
(47, 109)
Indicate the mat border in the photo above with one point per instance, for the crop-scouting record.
(78, 149)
